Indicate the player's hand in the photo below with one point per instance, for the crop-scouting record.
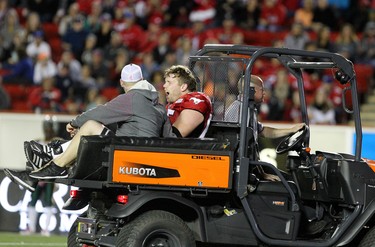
(71, 130)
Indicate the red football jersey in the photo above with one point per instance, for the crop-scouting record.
(194, 101)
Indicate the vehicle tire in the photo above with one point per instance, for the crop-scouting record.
(72, 235)
(369, 239)
(156, 228)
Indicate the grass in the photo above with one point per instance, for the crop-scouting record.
(8, 239)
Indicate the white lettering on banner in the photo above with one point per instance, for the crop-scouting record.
(24, 220)
(67, 217)
(58, 195)
(27, 199)
(52, 224)
(4, 186)
(66, 221)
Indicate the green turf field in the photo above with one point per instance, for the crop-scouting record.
(15, 239)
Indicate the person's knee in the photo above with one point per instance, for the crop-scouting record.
(91, 127)
(91, 123)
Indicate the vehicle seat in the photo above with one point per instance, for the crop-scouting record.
(275, 187)
(92, 158)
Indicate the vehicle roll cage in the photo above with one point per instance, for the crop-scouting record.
(345, 74)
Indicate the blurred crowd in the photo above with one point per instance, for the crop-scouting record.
(70, 52)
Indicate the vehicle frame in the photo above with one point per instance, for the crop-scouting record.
(238, 206)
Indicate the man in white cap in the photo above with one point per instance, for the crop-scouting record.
(137, 113)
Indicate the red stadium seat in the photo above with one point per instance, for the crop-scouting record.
(51, 31)
(110, 92)
(56, 49)
(19, 97)
(364, 73)
(16, 91)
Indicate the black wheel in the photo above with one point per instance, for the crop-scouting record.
(72, 235)
(156, 228)
(292, 141)
(369, 239)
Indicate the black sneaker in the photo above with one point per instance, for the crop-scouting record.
(29, 167)
(22, 178)
(37, 155)
(315, 227)
(50, 171)
(56, 147)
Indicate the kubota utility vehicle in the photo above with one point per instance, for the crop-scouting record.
(190, 192)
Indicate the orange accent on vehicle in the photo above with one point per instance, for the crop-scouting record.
(172, 169)
(371, 163)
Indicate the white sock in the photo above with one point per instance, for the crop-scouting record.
(64, 146)
(31, 211)
(48, 212)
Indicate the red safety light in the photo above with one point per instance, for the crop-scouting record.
(123, 199)
(74, 193)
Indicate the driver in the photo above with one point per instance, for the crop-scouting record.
(232, 114)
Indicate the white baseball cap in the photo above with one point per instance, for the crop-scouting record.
(131, 73)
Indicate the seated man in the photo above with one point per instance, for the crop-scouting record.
(136, 113)
(188, 105)
(233, 114)
(189, 111)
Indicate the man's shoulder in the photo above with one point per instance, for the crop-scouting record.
(195, 101)
(197, 96)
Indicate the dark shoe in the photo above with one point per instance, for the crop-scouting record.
(22, 178)
(37, 154)
(29, 167)
(56, 147)
(50, 171)
(315, 227)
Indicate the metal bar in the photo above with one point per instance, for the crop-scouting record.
(311, 65)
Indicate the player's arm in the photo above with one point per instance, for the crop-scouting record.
(270, 132)
(188, 121)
